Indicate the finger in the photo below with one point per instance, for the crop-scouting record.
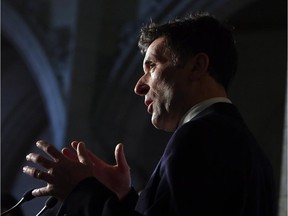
(40, 160)
(120, 157)
(44, 191)
(69, 154)
(74, 144)
(37, 174)
(82, 154)
(49, 149)
(31, 171)
(93, 158)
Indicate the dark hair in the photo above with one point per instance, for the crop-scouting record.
(193, 34)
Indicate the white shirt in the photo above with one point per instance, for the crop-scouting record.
(193, 111)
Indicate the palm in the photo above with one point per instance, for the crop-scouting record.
(115, 177)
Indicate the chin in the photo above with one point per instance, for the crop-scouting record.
(163, 125)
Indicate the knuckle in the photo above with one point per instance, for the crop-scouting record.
(48, 148)
(37, 158)
(41, 144)
(27, 170)
(51, 171)
(51, 189)
(34, 172)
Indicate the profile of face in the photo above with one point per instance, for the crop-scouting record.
(164, 86)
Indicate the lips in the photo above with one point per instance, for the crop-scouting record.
(148, 103)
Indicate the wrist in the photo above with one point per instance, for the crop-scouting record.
(122, 194)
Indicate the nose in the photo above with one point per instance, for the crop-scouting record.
(141, 87)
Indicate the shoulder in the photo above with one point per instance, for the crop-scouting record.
(216, 130)
(218, 119)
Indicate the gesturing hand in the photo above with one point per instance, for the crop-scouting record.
(62, 173)
(115, 177)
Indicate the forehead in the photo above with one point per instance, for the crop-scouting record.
(156, 49)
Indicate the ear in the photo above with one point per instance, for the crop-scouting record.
(198, 65)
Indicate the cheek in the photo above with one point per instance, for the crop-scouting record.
(164, 93)
(159, 80)
(168, 96)
(158, 85)
(162, 85)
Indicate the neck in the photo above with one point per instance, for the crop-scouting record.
(207, 88)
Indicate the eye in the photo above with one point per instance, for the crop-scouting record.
(150, 66)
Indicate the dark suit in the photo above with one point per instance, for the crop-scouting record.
(212, 165)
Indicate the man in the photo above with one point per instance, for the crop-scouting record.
(212, 165)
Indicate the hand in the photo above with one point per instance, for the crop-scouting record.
(62, 173)
(115, 177)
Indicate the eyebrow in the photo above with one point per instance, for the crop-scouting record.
(155, 56)
(147, 61)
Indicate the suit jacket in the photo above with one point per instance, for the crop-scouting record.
(212, 165)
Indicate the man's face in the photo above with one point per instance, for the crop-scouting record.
(164, 86)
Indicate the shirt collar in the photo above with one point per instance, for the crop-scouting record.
(193, 111)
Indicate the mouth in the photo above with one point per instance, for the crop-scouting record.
(149, 103)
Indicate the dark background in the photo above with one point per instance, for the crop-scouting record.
(68, 70)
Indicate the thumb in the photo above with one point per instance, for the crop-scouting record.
(120, 157)
(82, 154)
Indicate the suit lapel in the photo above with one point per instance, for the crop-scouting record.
(147, 196)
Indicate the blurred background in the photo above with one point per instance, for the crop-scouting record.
(68, 70)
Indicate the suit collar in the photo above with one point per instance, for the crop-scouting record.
(198, 108)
